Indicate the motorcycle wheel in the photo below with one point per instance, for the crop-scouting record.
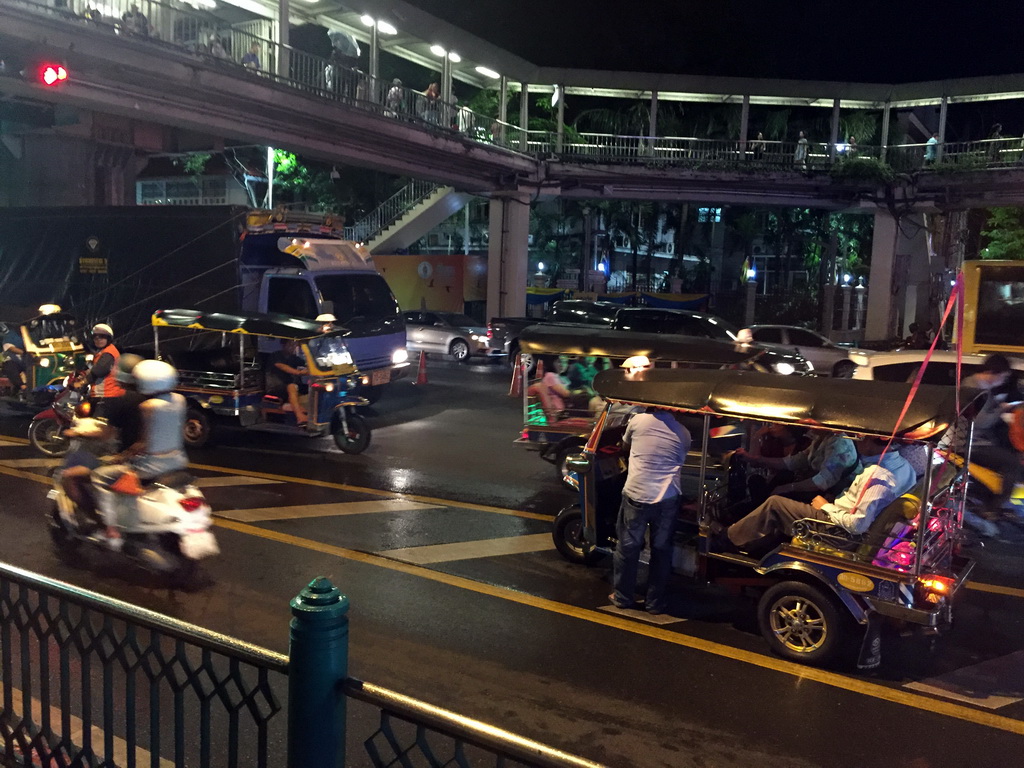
(356, 439)
(46, 436)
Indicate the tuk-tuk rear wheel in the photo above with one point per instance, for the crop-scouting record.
(802, 623)
(568, 536)
(197, 428)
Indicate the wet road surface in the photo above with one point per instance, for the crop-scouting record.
(440, 536)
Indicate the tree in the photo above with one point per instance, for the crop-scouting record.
(1003, 234)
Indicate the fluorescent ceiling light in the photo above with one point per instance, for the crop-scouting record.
(367, 20)
(387, 29)
(454, 57)
(488, 73)
(437, 50)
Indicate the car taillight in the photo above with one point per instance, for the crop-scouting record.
(490, 331)
(192, 503)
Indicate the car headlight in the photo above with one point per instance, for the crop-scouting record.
(784, 368)
(332, 359)
(400, 356)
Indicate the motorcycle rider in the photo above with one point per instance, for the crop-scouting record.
(102, 375)
(122, 428)
(158, 450)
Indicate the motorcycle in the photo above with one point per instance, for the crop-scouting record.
(170, 535)
(46, 430)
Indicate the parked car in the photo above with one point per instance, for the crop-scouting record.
(828, 358)
(902, 365)
(448, 333)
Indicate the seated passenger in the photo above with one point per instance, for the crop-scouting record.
(882, 480)
(553, 389)
(825, 467)
(284, 378)
(14, 360)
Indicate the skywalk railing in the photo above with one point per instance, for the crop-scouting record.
(86, 680)
(248, 46)
(390, 211)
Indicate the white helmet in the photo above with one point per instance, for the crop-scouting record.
(153, 377)
(103, 329)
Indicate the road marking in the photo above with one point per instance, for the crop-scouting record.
(376, 492)
(471, 550)
(302, 511)
(854, 685)
(7, 441)
(996, 589)
(29, 463)
(232, 480)
(991, 684)
(120, 755)
(660, 619)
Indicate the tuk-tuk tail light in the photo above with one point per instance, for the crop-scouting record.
(934, 589)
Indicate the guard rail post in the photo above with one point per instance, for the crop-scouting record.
(317, 670)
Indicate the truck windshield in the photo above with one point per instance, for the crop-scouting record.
(358, 297)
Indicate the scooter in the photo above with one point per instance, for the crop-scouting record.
(46, 430)
(170, 535)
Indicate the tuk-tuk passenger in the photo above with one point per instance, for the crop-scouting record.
(14, 360)
(656, 443)
(285, 377)
(825, 467)
(882, 480)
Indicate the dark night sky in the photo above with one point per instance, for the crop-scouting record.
(893, 41)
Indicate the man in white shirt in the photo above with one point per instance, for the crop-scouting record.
(657, 444)
(882, 480)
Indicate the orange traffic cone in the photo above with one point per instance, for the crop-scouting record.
(421, 374)
(516, 390)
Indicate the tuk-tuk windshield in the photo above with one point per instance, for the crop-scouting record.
(51, 328)
(329, 351)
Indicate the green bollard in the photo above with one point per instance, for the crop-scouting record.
(317, 670)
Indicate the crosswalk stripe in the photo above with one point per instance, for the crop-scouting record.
(632, 613)
(29, 463)
(9, 442)
(471, 550)
(261, 514)
(233, 480)
(992, 684)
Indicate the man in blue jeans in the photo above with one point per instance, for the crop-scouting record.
(657, 444)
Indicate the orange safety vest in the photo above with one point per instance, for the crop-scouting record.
(108, 386)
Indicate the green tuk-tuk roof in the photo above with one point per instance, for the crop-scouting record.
(603, 342)
(843, 405)
(275, 325)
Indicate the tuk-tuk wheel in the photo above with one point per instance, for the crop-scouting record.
(197, 428)
(802, 623)
(568, 536)
(356, 438)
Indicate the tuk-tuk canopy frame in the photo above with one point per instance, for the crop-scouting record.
(258, 324)
(840, 405)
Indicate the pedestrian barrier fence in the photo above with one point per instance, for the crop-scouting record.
(87, 680)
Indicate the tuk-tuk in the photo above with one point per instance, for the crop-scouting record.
(222, 374)
(53, 351)
(825, 587)
(560, 428)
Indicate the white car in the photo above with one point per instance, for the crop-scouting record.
(448, 333)
(902, 365)
(827, 357)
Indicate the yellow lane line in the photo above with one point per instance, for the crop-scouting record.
(854, 685)
(377, 492)
(996, 589)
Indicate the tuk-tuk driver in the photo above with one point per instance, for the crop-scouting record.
(14, 360)
(882, 480)
(287, 370)
(825, 467)
(656, 443)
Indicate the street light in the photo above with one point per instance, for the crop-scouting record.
(487, 72)
(382, 26)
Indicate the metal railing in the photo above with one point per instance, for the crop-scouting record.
(88, 680)
(248, 45)
(390, 211)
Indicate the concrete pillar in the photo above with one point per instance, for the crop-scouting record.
(508, 232)
(885, 132)
(283, 59)
(744, 125)
(835, 130)
(560, 125)
(847, 290)
(524, 115)
(883, 257)
(748, 318)
(942, 127)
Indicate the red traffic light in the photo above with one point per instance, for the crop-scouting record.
(52, 74)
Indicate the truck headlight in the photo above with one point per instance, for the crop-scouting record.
(400, 356)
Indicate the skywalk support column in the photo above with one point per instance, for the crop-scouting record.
(835, 130)
(283, 59)
(879, 325)
(653, 132)
(524, 115)
(508, 232)
(374, 57)
(560, 135)
(744, 125)
(898, 288)
(942, 127)
(885, 131)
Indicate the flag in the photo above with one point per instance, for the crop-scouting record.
(746, 268)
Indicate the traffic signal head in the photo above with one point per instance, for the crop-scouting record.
(52, 74)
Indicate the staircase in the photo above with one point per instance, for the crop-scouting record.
(406, 216)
